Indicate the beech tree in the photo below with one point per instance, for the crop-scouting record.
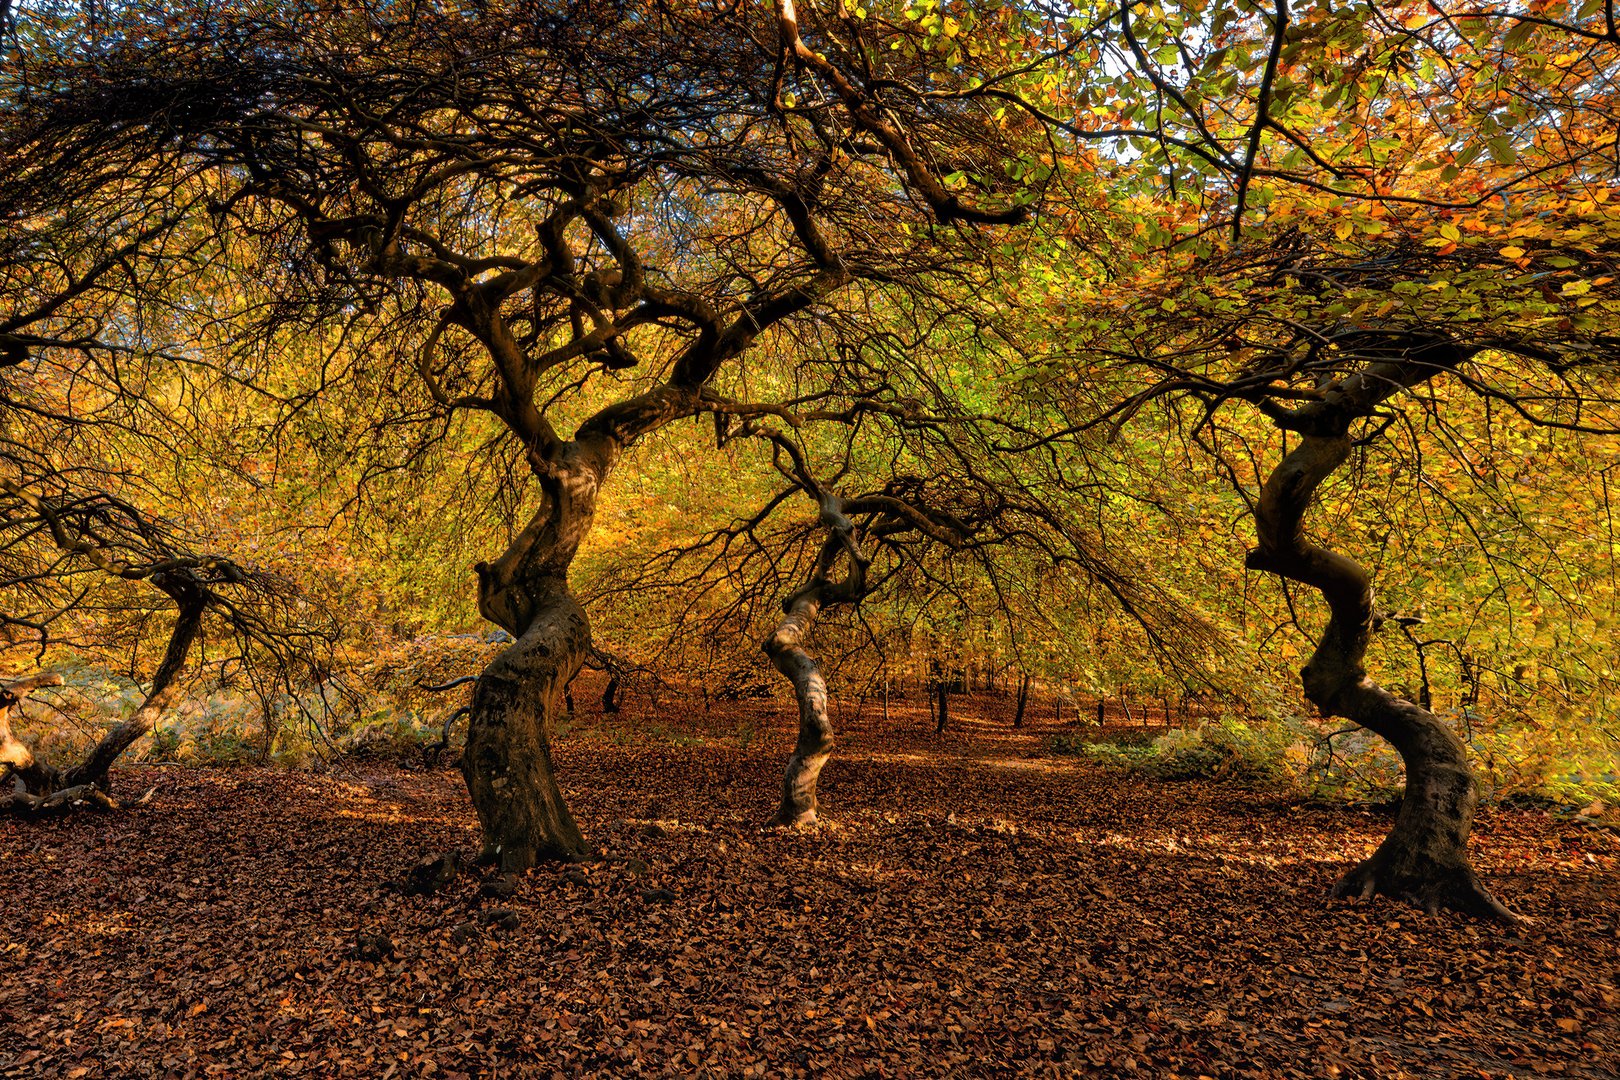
(84, 562)
(1375, 202)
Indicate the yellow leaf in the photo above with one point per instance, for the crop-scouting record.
(1513, 251)
(1343, 229)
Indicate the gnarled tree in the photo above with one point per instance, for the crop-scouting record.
(54, 543)
(1337, 346)
(1462, 241)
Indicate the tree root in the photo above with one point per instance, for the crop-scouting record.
(516, 862)
(85, 796)
(427, 878)
(1430, 887)
(788, 819)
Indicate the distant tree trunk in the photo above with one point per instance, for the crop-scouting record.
(1023, 700)
(815, 742)
(610, 696)
(1424, 860)
(942, 688)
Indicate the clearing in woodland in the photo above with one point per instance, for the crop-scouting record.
(971, 905)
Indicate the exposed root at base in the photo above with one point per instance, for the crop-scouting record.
(784, 819)
(79, 796)
(1440, 888)
(427, 878)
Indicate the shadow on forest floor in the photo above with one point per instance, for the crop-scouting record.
(972, 906)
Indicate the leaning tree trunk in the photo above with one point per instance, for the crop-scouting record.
(1424, 860)
(166, 689)
(45, 786)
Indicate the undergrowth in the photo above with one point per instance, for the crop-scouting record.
(1335, 761)
(1570, 765)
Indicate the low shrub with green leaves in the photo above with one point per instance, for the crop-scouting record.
(1252, 755)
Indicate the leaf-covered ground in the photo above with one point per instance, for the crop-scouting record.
(973, 906)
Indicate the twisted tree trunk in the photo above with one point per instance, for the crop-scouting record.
(815, 742)
(1424, 860)
(785, 647)
(507, 762)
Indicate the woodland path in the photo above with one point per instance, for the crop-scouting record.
(973, 907)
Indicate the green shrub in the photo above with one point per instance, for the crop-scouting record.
(389, 732)
(1251, 755)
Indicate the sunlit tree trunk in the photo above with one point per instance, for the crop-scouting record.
(785, 647)
(815, 741)
(16, 759)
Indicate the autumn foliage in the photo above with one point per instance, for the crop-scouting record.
(1205, 391)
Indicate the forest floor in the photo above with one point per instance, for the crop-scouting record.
(972, 906)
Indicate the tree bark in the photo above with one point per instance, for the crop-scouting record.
(785, 647)
(507, 761)
(1023, 700)
(1424, 860)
